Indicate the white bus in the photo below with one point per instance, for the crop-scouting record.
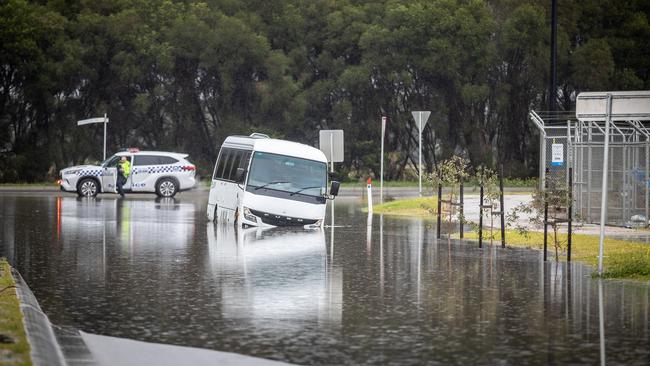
(259, 181)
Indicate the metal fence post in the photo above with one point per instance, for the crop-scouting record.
(503, 209)
(439, 208)
(570, 214)
(646, 183)
(480, 220)
(462, 211)
(545, 193)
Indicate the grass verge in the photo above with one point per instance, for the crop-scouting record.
(392, 183)
(420, 207)
(507, 182)
(14, 349)
(623, 258)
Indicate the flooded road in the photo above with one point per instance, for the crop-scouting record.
(384, 293)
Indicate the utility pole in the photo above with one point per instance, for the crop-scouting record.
(552, 88)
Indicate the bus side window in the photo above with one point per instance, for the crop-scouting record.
(217, 164)
(234, 164)
(245, 160)
(224, 159)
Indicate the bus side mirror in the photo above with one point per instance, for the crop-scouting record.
(240, 176)
(334, 188)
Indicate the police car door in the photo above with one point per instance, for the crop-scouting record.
(142, 169)
(109, 175)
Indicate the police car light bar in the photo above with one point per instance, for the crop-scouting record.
(133, 149)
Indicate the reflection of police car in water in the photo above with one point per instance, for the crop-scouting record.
(163, 173)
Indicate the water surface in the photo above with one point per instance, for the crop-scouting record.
(379, 291)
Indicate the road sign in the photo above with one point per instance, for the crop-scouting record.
(617, 106)
(103, 120)
(92, 120)
(421, 118)
(331, 144)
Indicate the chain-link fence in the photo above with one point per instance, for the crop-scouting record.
(566, 143)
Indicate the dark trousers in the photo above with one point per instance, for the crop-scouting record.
(121, 180)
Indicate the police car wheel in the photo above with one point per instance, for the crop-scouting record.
(166, 188)
(87, 188)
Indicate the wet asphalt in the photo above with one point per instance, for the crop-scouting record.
(378, 291)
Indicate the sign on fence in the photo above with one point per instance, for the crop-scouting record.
(557, 154)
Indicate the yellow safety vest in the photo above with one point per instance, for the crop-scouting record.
(126, 168)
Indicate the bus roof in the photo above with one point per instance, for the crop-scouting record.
(275, 146)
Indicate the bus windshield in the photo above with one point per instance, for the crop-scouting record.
(287, 173)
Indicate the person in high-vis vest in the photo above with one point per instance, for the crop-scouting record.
(123, 171)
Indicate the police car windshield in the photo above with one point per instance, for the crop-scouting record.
(287, 173)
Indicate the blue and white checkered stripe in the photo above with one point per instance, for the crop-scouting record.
(158, 169)
(90, 172)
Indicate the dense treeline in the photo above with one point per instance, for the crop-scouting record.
(183, 75)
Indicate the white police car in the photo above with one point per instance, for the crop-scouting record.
(163, 173)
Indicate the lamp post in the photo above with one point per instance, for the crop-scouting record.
(103, 120)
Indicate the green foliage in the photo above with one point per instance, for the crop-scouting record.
(521, 183)
(628, 265)
(453, 171)
(184, 75)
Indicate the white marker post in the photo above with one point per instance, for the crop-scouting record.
(369, 196)
(103, 120)
(603, 199)
(381, 179)
(421, 117)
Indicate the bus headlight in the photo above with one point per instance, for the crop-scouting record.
(248, 215)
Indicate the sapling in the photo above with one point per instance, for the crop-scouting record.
(451, 173)
(558, 200)
(491, 193)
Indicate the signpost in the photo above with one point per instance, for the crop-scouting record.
(331, 144)
(381, 181)
(103, 120)
(421, 118)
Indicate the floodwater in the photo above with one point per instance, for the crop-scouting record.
(380, 291)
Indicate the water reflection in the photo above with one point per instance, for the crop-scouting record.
(375, 290)
(270, 275)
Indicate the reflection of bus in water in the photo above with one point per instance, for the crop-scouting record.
(259, 181)
(274, 274)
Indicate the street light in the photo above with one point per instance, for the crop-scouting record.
(103, 120)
